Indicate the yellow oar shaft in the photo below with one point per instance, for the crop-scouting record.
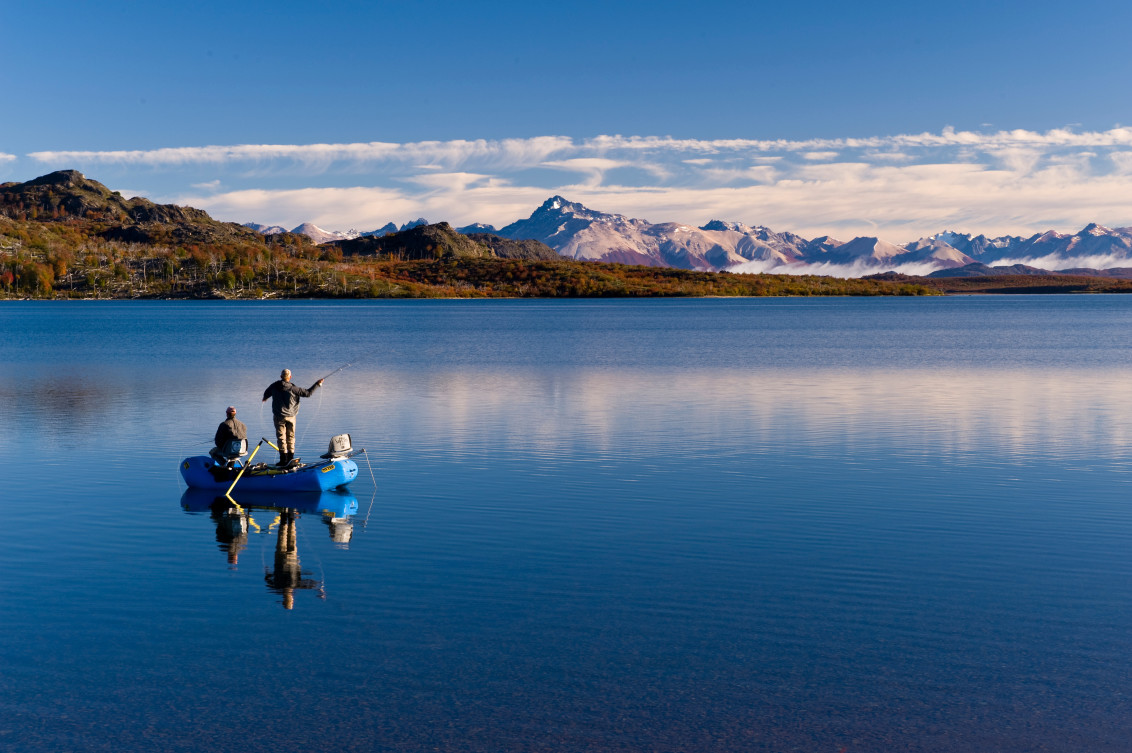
(228, 493)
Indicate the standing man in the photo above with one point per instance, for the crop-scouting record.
(285, 396)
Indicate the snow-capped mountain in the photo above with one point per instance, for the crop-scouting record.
(581, 233)
(937, 250)
(382, 231)
(1092, 246)
(578, 232)
(866, 250)
(318, 235)
(266, 229)
(477, 227)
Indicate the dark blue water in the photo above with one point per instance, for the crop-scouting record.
(710, 525)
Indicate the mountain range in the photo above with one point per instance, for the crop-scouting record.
(318, 235)
(578, 232)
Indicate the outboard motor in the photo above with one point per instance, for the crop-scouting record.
(229, 452)
(340, 447)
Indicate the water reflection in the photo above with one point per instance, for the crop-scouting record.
(235, 521)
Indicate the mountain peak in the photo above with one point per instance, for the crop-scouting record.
(319, 235)
(720, 225)
(59, 178)
(559, 205)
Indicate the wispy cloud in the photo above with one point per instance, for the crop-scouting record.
(531, 152)
(858, 269)
(899, 187)
(4, 157)
(503, 153)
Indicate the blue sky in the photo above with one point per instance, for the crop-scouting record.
(877, 118)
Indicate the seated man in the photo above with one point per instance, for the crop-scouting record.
(231, 429)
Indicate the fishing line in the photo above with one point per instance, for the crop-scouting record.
(262, 428)
(307, 424)
(317, 559)
(372, 496)
(318, 408)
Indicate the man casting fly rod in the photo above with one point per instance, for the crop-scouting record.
(285, 396)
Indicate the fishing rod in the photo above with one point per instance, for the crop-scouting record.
(343, 366)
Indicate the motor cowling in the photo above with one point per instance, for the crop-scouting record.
(340, 447)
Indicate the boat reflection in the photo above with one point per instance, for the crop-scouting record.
(234, 521)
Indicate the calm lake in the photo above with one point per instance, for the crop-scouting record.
(686, 525)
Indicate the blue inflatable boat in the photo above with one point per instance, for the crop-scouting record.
(216, 472)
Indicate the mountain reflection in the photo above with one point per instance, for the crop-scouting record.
(236, 522)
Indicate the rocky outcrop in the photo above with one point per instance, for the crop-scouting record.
(69, 195)
(437, 241)
(440, 241)
(506, 248)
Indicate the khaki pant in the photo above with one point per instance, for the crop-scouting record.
(285, 433)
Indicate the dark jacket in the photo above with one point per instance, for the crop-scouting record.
(285, 397)
(231, 429)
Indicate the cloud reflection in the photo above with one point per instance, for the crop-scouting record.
(630, 413)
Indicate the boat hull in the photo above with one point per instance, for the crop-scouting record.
(202, 472)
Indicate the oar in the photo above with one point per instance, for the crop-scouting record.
(228, 493)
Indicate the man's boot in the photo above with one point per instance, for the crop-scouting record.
(283, 458)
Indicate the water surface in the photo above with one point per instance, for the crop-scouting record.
(861, 525)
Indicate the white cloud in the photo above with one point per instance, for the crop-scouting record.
(1122, 161)
(859, 269)
(593, 167)
(531, 152)
(899, 187)
(7, 157)
(898, 203)
(876, 156)
(367, 207)
(450, 181)
(503, 153)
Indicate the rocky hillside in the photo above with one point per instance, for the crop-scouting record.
(67, 195)
(441, 241)
(506, 248)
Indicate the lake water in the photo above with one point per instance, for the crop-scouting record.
(690, 525)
